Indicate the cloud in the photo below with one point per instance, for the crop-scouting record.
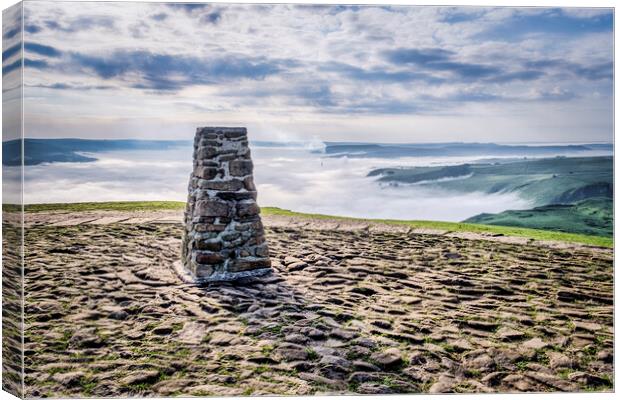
(436, 59)
(440, 60)
(146, 70)
(66, 86)
(81, 24)
(188, 7)
(524, 75)
(11, 51)
(159, 16)
(11, 33)
(41, 49)
(212, 18)
(418, 56)
(31, 28)
(597, 71)
(11, 67)
(377, 74)
(37, 64)
(290, 66)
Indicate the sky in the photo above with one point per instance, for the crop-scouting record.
(336, 73)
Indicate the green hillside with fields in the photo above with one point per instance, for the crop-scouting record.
(569, 194)
(590, 217)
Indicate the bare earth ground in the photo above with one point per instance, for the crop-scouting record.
(349, 308)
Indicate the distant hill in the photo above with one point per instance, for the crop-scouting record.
(544, 181)
(589, 217)
(571, 194)
(378, 150)
(38, 151)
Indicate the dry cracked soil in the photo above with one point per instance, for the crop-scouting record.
(346, 310)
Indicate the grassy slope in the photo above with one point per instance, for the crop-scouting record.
(449, 226)
(545, 181)
(590, 217)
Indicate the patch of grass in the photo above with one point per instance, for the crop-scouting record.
(87, 385)
(541, 357)
(63, 343)
(185, 352)
(565, 372)
(448, 347)
(473, 373)
(266, 350)
(312, 354)
(535, 234)
(261, 369)
(353, 386)
(522, 365)
(430, 340)
(106, 205)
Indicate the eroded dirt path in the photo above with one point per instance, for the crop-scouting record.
(363, 310)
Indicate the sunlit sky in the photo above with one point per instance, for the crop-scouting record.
(291, 72)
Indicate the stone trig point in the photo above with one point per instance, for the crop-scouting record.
(224, 238)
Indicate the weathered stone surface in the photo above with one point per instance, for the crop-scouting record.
(240, 167)
(224, 339)
(534, 344)
(249, 263)
(205, 172)
(247, 208)
(224, 237)
(212, 208)
(388, 359)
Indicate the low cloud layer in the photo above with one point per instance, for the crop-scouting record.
(291, 178)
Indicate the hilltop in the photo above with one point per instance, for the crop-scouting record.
(352, 306)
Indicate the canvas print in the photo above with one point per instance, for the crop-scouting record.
(283, 199)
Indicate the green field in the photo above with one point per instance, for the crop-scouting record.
(534, 234)
(590, 217)
(568, 194)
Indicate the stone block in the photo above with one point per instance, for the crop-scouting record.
(247, 208)
(212, 208)
(248, 263)
(240, 167)
(205, 172)
(209, 244)
(231, 185)
(209, 257)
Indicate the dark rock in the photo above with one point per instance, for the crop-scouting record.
(240, 167)
(388, 359)
(212, 208)
(205, 172)
(86, 339)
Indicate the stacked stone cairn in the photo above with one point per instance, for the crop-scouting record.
(224, 238)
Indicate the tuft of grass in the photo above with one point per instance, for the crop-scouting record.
(312, 354)
(473, 373)
(522, 365)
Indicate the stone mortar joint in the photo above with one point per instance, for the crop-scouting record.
(223, 238)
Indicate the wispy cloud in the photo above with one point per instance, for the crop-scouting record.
(148, 70)
(272, 65)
